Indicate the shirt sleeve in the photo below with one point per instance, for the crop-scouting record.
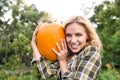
(86, 68)
(47, 68)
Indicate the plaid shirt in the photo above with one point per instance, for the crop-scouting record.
(82, 66)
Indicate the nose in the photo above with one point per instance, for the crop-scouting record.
(73, 39)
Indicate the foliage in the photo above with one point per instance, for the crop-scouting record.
(109, 74)
(15, 37)
(107, 18)
(16, 31)
(22, 73)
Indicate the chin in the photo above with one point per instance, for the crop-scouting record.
(75, 51)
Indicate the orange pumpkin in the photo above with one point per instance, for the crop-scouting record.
(46, 37)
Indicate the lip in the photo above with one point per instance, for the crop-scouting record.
(75, 46)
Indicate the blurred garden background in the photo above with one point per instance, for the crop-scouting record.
(16, 33)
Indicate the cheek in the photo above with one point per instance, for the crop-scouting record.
(67, 40)
(82, 39)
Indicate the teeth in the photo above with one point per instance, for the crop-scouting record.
(74, 46)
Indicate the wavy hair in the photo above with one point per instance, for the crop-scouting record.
(90, 30)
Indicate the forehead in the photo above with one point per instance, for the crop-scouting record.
(75, 27)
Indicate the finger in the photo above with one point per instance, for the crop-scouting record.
(34, 34)
(55, 51)
(33, 38)
(58, 47)
(65, 45)
(62, 43)
(37, 28)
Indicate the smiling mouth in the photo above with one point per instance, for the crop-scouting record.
(75, 46)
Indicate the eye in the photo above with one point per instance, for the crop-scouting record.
(78, 34)
(68, 35)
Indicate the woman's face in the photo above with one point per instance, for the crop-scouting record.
(76, 37)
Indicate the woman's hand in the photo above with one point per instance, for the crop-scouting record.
(62, 56)
(36, 53)
(62, 52)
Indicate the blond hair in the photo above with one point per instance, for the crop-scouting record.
(90, 30)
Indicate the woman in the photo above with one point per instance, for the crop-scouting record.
(78, 58)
